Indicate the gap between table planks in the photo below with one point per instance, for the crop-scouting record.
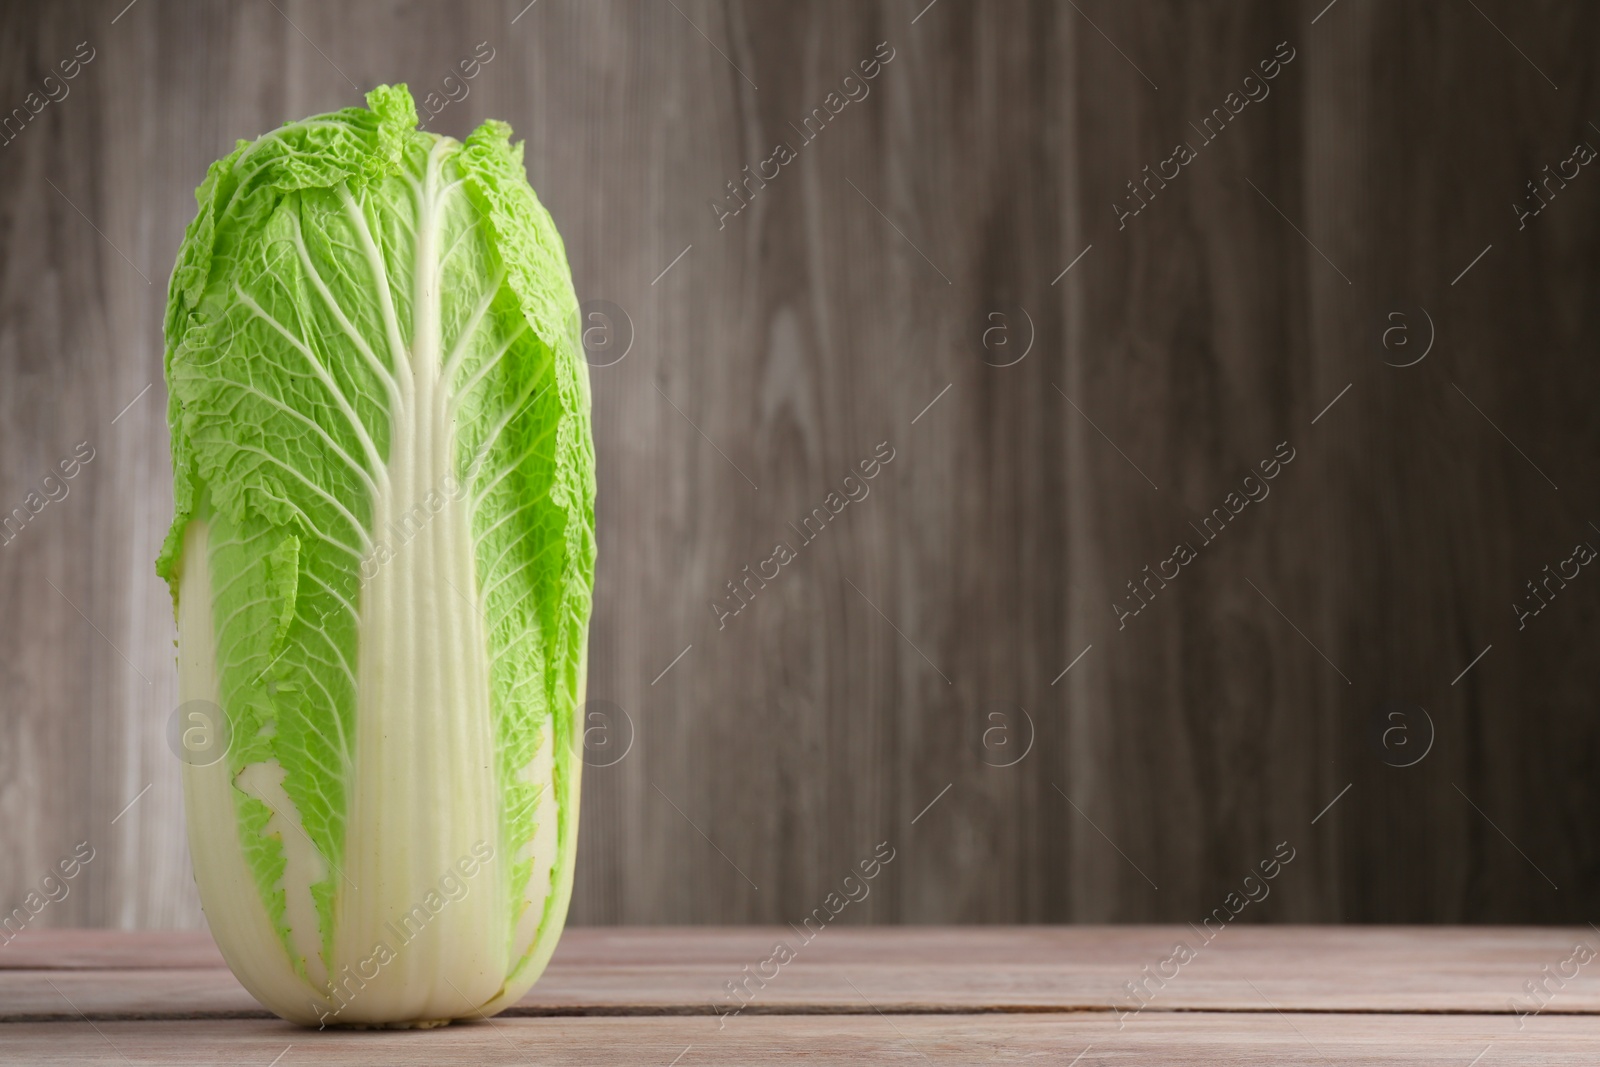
(633, 994)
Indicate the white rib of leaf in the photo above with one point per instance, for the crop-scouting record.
(466, 232)
(470, 330)
(311, 668)
(344, 512)
(505, 614)
(305, 663)
(227, 663)
(408, 225)
(383, 374)
(516, 410)
(233, 542)
(338, 662)
(343, 603)
(343, 746)
(483, 370)
(380, 280)
(518, 634)
(320, 371)
(416, 188)
(349, 461)
(437, 161)
(478, 500)
(222, 627)
(504, 552)
(527, 681)
(511, 544)
(272, 137)
(271, 600)
(332, 822)
(243, 572)
(510, 514)
(310, 527)
(504, 578)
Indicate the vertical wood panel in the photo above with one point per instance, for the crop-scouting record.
(794, 337)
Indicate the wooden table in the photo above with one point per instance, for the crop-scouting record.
(1253, 995)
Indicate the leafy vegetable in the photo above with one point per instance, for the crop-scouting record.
(382, 563)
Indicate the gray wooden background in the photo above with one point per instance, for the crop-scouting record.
(920, 641)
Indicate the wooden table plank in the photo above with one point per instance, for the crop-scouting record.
(109, 950)
(616, 971)
(1171, 1038)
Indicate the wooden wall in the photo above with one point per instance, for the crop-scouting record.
(851, 304)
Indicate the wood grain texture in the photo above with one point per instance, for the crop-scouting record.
(903, 970)
(1180, 1040)
(1286, 995)
(824, 318)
